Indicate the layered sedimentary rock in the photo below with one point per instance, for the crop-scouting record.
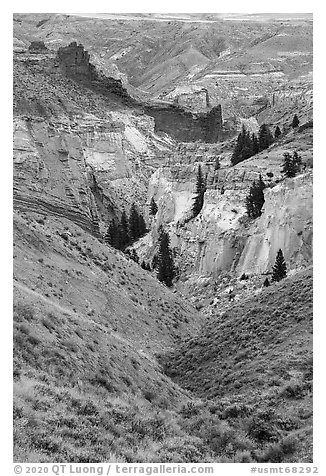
(222, 238)
(178, 122)
(49, 174)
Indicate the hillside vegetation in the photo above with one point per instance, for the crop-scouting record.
(261, 342)
(87, 386)
(258, 356)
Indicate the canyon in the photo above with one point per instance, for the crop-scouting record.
(111, 112)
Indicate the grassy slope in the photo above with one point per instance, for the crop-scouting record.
(259, 352)
(87, 387)
(87, 323)
(262, 341)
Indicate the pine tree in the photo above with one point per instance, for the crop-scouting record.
(133, 223)
(266, 283)
(288, 167)
(265, 137)
(165, 259)
(255, 144)
(279, 268)
(277, 132)
(244, 147)
(295, 121)
(113, 236)
(124, 231)
(200, 192)
(141, 226)
(255, 199)
(153, 207)
(297, 162)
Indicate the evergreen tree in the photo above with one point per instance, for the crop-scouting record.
(200, 191)
(265, 137)
(279, 268)
(141, 226)
(165, 259)
(295, 121)
(244, 147)
(113, 236)
(255, 199)
(288, 167)
(153, 207)
(133, 223)
(255, 144)
(124, 231)
(277, 132)
(266, 283)
(297, 162)
(143, 265)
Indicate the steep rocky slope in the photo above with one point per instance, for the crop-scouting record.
(222, 238)
(86, 155)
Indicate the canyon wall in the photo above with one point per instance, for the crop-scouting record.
(179, 122)
(222, 238)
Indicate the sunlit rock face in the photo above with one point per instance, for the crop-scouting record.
(50, 174)
(286, 223)
(222, 238)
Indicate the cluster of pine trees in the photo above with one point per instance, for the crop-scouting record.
(249, 144)
(121, 234)
(291, 165)
(255, 199)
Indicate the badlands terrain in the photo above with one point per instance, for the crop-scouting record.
(109, 363)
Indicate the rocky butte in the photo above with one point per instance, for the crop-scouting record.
(179, 122)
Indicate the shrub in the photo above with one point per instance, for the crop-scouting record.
(294, 389)
(23, 312)
(261, 428)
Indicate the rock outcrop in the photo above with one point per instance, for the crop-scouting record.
(37, 47)
(179, 122)
(74, 61)
(186, 126)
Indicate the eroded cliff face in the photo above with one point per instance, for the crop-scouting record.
(91, 167)
(286, 223)
(50, 173)
(79, 153)
(222, 238)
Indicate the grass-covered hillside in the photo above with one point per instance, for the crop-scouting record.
(87, 322)
(258, 356)
(88, 325)
(262, 342)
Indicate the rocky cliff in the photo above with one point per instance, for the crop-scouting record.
(78, 152)
(222, 238)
